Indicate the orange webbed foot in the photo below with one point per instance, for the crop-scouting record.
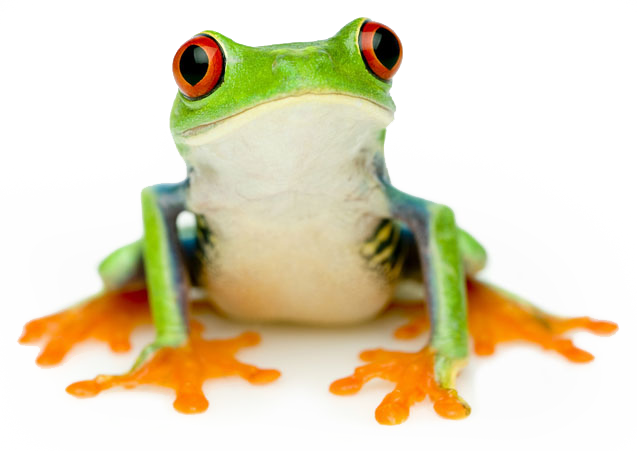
(185, 369)
(109, 317)
(496, 317)
(413, 373)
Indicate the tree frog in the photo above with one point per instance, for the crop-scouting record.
(296, 221)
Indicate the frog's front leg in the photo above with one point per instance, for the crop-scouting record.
(432, 371)
(179, 358)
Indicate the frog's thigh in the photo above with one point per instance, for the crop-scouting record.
(122, 267)
(474, 256)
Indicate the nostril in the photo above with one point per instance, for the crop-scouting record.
(302, 60)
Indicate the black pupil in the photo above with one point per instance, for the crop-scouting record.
(193, 64)
(386, 47)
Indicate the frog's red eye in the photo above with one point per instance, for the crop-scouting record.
(198, 66)
(381, 49)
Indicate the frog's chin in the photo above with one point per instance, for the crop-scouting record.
(355, 108)
(316, 144)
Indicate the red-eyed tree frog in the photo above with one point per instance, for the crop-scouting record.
(296, 221)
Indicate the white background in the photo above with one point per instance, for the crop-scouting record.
(522, 116)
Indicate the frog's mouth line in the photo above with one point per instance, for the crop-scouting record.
(309, 96)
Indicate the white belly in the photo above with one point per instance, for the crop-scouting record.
(288, 190)
(308, 271)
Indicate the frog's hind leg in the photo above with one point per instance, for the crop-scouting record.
(496, 316)
(109, 316)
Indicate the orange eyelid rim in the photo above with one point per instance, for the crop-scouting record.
(366, 43)
(215, 67)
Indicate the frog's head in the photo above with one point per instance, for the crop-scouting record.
(340, 82)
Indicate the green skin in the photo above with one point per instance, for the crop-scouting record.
(257, 75)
